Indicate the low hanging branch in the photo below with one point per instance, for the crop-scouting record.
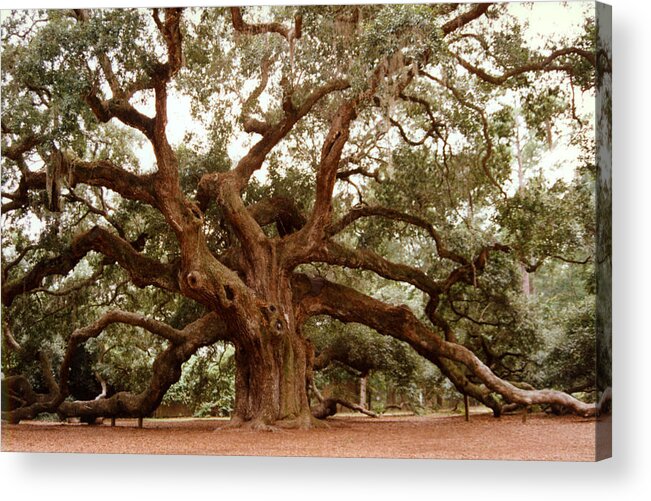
(328, 406)
(347, 305)
(166, 369)
(142, 269)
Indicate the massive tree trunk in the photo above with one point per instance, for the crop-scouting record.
(271, 355)
(270, 379)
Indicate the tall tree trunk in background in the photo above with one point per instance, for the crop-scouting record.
(526, 281)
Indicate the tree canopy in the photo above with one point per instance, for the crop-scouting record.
(346, 169)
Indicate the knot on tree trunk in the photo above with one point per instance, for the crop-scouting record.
(195, 280)
(212, 288)
(274, 317)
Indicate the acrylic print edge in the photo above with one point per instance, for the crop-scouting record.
(603, 142)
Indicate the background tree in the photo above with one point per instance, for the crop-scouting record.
(368, 147)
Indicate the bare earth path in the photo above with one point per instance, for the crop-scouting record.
(542, 437)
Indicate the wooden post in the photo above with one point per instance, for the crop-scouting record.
(524, 414)
(465, 403)
(140, 422)
(112, 421)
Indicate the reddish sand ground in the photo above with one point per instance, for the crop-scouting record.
(541, 437)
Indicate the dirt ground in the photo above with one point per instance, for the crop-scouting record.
(541, 437)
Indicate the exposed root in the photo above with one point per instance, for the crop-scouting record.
(303, 422)
(238, 424)
(605, 402)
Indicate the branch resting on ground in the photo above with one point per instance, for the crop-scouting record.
(348, 305)
(166, 369)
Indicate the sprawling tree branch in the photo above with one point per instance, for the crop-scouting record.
(461, 20)
(337, 254)
(7, 335)
(358, 171)
(156, 327)
(533, 267)
(142, 269)
(367, 211)
(166, 160)
(166, 369)
(253, 160)
(226, 188)
(170, 29)
(545, 64)
(118, 106)
(16, 150)
(330, 158)
(347, 305)
(73, 171)
(248, 289)
(103, 212)
(328, 407)
(339, 132)
(256, 29)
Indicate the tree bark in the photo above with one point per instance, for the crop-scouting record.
(526, 280)
(271, 374)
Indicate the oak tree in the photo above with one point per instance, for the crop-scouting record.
(368, 143)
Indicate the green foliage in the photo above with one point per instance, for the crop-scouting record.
(56, 65)
(355, 350)
(207, 384)
(570, 364)
(412, 27)
(540, 109)
(543, 221)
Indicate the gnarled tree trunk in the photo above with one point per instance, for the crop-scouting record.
(271, 379)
